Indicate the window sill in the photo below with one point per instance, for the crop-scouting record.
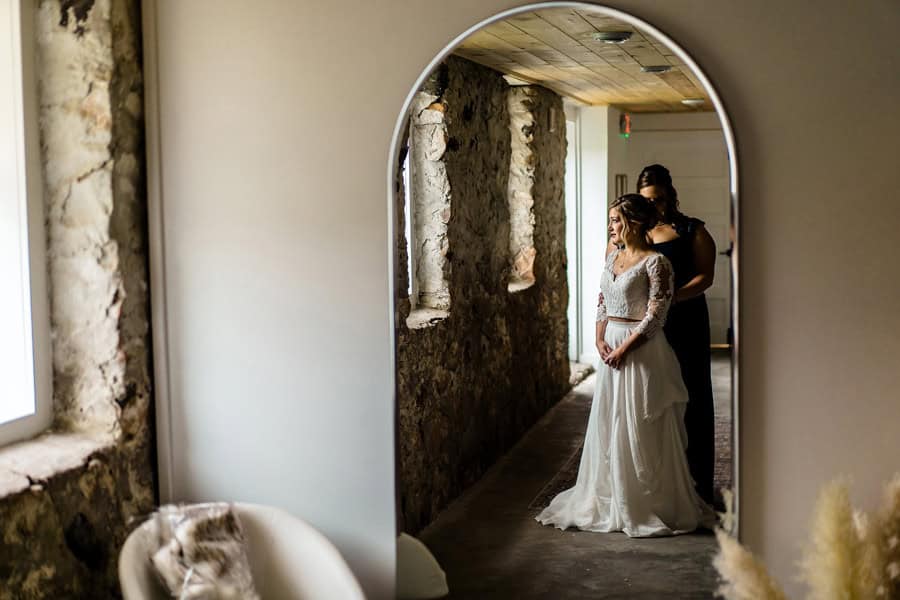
(520, 285)
(421, 318)
(32, 462)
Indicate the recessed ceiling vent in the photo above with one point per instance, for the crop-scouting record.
(656, 69)
(612, 37)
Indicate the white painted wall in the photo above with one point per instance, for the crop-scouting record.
(594, 194)
(617, 159)
(276, 277)
(275, 122)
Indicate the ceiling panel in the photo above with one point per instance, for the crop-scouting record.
(556, 48)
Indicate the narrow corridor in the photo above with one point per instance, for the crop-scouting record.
(491, 547)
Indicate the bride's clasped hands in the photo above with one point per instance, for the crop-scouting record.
(613, 357)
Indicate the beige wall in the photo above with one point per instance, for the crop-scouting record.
(276, 121)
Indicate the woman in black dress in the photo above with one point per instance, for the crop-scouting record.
(692, 252)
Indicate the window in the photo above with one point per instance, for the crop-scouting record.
(519, 189)
(427, 212)
(25, 375)
(408, 229)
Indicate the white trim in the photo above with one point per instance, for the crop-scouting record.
(732, 154)
(579, 242)
(573, 115)
(29, 181)
(156, 233)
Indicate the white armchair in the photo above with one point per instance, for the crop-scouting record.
(288, 557)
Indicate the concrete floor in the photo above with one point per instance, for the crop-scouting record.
(491, 547)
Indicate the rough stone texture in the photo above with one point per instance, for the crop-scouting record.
(520, 187)
(128, 224)
(75, 70)
(471, 384)
(430, 191)
(62, 533)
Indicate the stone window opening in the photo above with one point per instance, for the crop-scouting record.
(427, 212)
(69, 487)
(522, 251)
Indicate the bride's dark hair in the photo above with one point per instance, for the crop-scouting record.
(636, 210)
(658, 176)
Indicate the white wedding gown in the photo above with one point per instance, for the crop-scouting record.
(633, 475)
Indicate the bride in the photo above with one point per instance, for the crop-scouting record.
(633, 476)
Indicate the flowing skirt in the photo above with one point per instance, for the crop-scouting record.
(633, 476)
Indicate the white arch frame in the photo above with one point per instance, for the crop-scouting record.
(393, 165)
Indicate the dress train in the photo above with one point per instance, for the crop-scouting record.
(633, 476)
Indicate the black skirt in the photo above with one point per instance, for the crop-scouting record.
(687, 329)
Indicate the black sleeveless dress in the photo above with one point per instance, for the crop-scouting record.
(687, 329)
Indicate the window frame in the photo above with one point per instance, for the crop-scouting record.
(412, 289)
(25, 188)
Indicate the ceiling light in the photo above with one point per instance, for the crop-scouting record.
(656, 69)
(612, 37)
(694, 101)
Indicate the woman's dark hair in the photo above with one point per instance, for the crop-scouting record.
(636, 210)
(658, 176)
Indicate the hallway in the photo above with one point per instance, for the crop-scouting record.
(491, 547)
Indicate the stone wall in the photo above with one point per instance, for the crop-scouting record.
(470, 384)
(69, 496)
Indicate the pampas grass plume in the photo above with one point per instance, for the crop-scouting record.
(743, 576)
(851, 555)
(833, 565)
(727, 519)
(888, 532)
(871, 566)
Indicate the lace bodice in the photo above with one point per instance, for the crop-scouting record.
(643, 292)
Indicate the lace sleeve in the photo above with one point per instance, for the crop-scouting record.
(601, 301)
(601, 307)
(659, 270)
